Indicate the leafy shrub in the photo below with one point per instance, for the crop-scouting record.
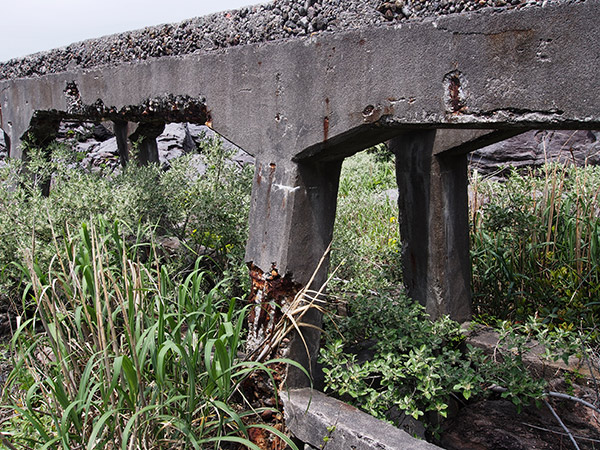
(420, 366)
(207, 213)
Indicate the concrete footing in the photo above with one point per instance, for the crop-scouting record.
(323, 422)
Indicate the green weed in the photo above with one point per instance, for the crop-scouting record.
(535, 246)
(126, 358)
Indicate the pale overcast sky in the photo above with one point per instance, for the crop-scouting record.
(29, 26)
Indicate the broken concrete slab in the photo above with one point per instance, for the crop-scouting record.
(326, 423)
(535, 360)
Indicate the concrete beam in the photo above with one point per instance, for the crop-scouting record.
(324, 422)
(527, 68)
(461, 142)
(291, 225)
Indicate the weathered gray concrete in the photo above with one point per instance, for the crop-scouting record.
(291, 217)
(324, 422)
(431, 171)
(302, 105)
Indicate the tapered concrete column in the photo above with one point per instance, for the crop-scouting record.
(434, 226)
(6, 142)
(122, 130)
(145, 135)
(291, 225)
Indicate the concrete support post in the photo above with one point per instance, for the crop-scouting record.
(145, 135)
(6, 142)
(291, 226)
(433, 217)
(122, 130)
(41, 133)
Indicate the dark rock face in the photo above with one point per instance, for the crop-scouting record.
(98, 146)
(278, 19)
(534, 148)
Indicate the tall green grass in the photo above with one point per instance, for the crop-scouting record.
(366, 238)
(536, 246)
(203, 214)
(118, 356)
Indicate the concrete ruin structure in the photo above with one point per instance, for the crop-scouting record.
(435, 88)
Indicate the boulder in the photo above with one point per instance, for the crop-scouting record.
(99, 155)
(200, 132)
(174, 141)
(534, 148)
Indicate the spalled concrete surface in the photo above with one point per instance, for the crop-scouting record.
(324, 422)
(291, 226)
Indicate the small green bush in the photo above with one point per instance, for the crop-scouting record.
(419, 366)
(208, 213)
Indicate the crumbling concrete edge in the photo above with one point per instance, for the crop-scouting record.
(323, 422)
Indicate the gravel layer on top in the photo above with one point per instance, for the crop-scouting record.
(278, 19)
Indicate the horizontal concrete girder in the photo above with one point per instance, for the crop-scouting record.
(532, 68)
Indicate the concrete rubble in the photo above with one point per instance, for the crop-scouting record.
(322, 422)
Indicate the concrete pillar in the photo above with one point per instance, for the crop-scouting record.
(6, 138)
(145, 135)
(291, 226)
(434, 226)
(122, 129)
(41, 133)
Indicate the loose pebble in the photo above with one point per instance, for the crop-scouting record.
(278, 19)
